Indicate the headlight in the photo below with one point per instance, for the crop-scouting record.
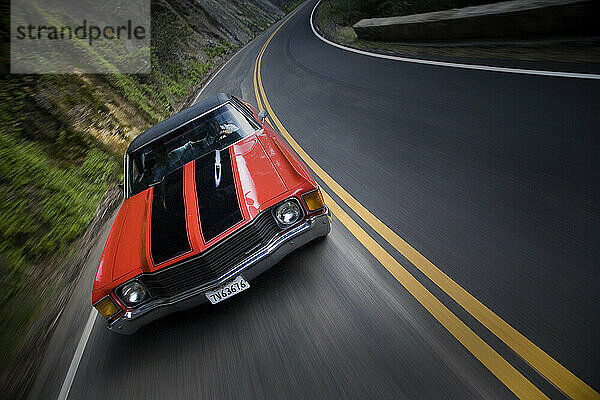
(133, 293)
(287, 213)
(313, 200)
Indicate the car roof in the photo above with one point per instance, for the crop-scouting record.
(177, 120)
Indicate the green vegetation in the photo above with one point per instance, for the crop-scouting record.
(291, 6)
(52, 178)
(349, 12)
(49, 186)
(217, 50)
(44, 207)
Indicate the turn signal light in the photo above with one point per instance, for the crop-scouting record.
(313, 200)
(107, 307)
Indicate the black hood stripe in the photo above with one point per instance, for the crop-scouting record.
(217, 196)
(168, 228)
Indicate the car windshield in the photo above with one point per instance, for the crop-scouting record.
(215, 130)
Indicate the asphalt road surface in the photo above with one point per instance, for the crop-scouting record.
(493, 177)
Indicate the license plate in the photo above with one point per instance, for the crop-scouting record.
(227, 290)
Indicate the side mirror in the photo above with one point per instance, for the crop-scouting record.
(262, 115)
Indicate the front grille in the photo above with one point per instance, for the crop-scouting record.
(213, 263)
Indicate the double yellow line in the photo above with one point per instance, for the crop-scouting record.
(545, 365)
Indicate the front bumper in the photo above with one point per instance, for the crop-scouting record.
(263, 259)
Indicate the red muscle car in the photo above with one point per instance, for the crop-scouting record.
(213, 197)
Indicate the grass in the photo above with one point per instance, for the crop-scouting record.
(217, 50)
(292, 6)
(46, 201)
(49, 190)
(46, 206)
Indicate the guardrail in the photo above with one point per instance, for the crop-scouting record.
(507, 19)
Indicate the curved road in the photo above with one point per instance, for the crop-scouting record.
(490, 177)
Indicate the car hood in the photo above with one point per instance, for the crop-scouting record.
(196, 206)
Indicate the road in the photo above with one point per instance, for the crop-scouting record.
(491, 177)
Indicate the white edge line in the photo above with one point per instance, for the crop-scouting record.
(215, 74)
(449, 64)
(66, 386)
